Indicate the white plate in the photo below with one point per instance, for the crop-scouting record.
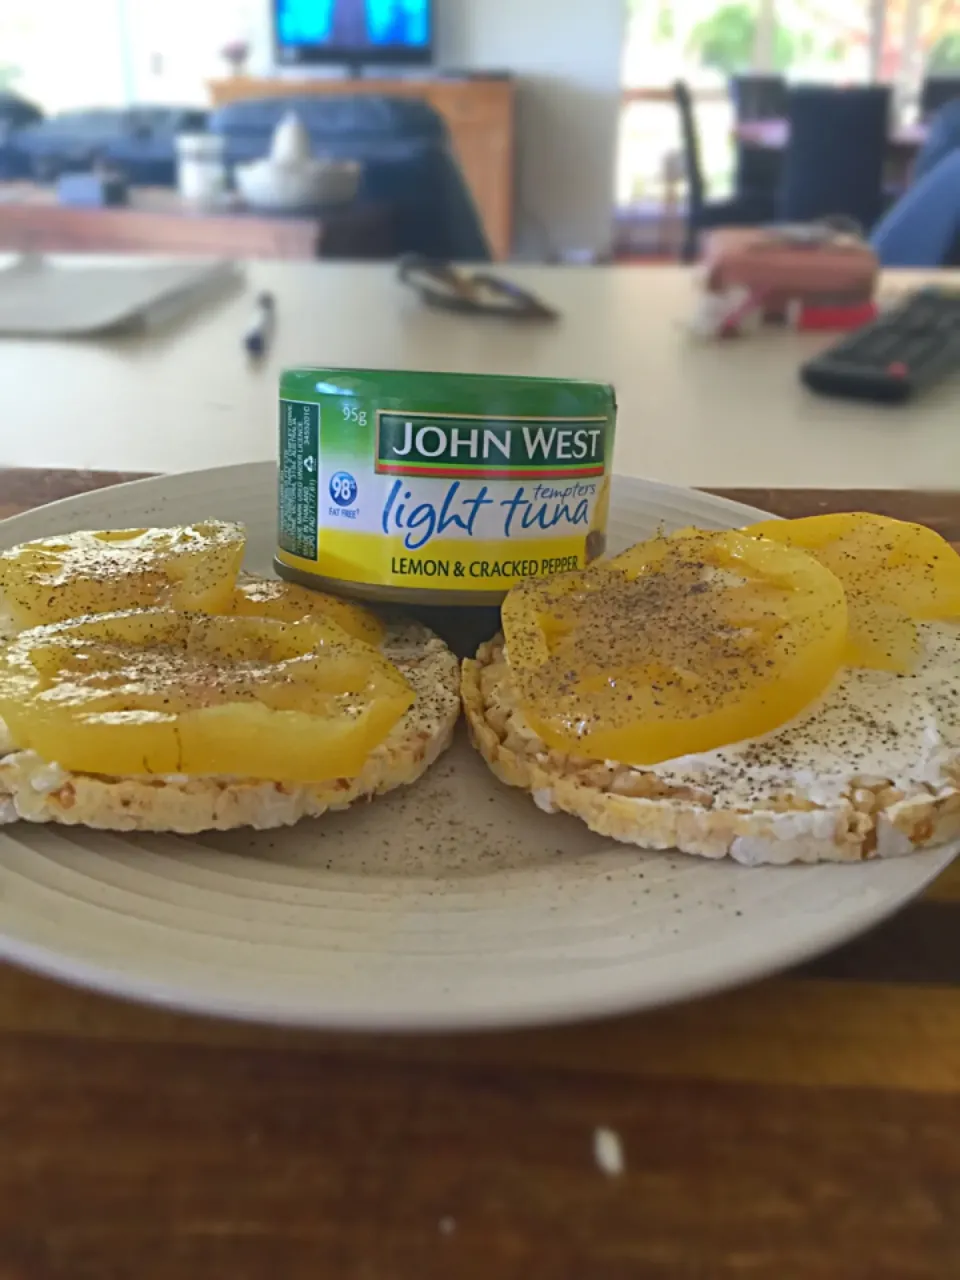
(455, 903)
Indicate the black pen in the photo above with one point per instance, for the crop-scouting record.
(258, 333)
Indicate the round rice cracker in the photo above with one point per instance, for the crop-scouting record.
(635, 806)
(37, 791)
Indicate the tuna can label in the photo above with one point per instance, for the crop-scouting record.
(299, 464)
(439, 501)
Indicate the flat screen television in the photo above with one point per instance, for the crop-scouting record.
(353, 32)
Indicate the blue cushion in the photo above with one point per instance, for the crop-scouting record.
(73, 140)
(15, 114)
(358, 115)
(923, 227)
(163, 122)
(144, 162)
(13, 164)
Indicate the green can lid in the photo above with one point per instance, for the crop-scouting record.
(444, 392)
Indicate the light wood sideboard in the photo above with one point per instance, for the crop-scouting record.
(480, 115)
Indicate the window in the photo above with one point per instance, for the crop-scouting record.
(62, 54)
(696, 40)
(823, 40)
(101, 53)
(940, 36)
(172, 48)
(705, 42)
(702, 42)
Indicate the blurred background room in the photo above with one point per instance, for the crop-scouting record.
(512, 129)
(737, 217)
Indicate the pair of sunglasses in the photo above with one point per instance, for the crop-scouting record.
(439, 284)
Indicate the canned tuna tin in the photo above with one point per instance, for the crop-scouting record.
(439, 488)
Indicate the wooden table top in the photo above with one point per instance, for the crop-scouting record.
(805, 1128)
(185, 396)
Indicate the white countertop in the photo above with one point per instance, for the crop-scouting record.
(693, 413)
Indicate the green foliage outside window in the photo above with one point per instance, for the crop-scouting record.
(944, 57)
(727, 39)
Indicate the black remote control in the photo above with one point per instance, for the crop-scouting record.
(893, 358)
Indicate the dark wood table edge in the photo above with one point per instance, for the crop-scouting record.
(26, 487)
(937, 508)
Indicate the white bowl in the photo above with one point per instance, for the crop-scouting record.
(305, 184)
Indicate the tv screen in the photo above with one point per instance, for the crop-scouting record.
(353, 31)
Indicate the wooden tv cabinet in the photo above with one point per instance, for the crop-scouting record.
(479, 114)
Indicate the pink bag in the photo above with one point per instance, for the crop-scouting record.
(812, 265)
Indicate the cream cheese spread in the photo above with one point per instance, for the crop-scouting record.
(872, 727)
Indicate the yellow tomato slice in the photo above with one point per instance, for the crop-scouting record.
(190, 567)
(681, 644)
(893, 572)
(271, 598)
(160, 692)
